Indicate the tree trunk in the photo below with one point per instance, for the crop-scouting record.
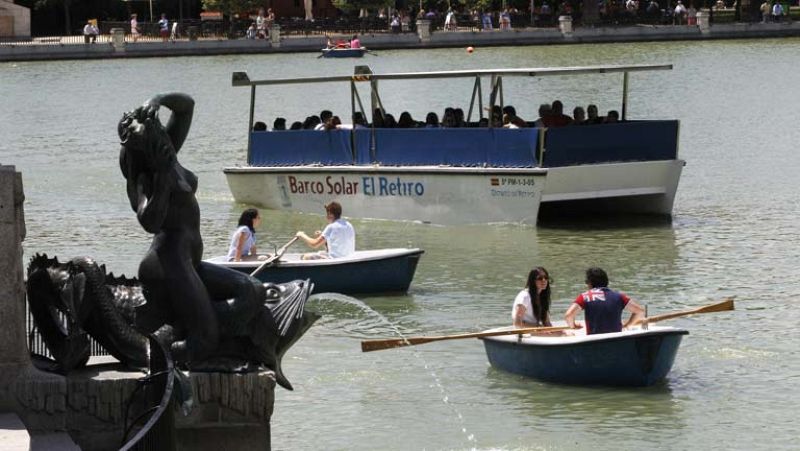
(67, 18)
(591, 15)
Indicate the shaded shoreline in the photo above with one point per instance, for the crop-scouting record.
(292, 44)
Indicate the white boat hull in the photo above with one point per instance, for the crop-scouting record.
(640, 187)
(444, 195)
(438, 195)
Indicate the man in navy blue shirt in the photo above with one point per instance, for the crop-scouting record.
(602, 306)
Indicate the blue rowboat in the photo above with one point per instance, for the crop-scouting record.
(344, 53)
(369, 271)
(630, 358)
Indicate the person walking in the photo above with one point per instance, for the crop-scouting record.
(134, 28)
(163, 27)
(777, 12)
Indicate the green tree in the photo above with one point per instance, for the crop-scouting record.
(357, 5)
(231, 7)
(590, 14)
(66, 4)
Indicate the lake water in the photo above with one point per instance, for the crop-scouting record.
(735, 381)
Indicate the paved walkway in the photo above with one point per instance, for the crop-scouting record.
(57, 48)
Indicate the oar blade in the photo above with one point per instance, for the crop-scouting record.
(723, 306)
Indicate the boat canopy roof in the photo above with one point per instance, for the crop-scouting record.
(364, 73)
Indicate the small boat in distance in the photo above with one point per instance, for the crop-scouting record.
(343, 52)
(636, 358)
(369, 271)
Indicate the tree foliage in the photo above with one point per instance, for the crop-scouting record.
(233, 6)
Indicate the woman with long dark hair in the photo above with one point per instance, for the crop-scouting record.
(532, 305)
(243, 240)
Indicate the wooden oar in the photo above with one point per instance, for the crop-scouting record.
(274, 258)
(723, 306)
(377, 345)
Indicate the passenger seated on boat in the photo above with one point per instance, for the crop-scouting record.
(333, 123)
(431, 120)
(389, 121)
(544, 113)
(591, 115)
(378, 118)
(449, 118)
(612, 117)
(507, 122)
(532, 305)
(259, 127)
(243, 240)
(355, 43)
(557, 118)
(296, 125)
(324, 117)
(338, 236)
(578, 116)
(279, 124)
(459, 113)
(514, 119)
(406, 121)
(496, 116)
(311, 122)
(602, 306)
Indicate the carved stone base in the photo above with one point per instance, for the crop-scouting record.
(231, 411)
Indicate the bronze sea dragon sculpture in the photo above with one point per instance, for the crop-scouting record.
(212, 318)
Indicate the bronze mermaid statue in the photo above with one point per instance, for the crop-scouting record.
(213, 318)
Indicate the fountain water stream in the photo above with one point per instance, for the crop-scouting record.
(340, 298)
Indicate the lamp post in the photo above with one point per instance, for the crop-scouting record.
(151, 11)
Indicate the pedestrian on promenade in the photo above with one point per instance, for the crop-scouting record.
(134, 28)
(765, 11)
(777, 12)
(163, 27)
(174, 34)
(680, 13)
(487, 21)
(90, 32)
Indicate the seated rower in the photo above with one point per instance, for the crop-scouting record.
(602, 306)
(338, 236)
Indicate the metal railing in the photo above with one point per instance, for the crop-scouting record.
(36, 344)
(158, 431)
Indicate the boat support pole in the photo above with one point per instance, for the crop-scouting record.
(492, 98)
(250, 124)
(352, 119)
(624, 95)
(480, 99)
(475, 89)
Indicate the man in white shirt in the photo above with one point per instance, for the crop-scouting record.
(777, 11)
(339, 236)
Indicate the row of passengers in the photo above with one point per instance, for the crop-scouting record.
(550, 116)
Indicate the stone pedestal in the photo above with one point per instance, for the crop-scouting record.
(424, 30)
(565, 25)
(37, 398)
(275, 35)
(118, 39)
(231, 411)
